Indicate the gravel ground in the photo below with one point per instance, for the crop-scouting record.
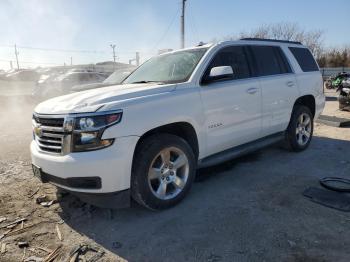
(249, 209)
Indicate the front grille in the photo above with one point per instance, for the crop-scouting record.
(53, 122)
(49, 133)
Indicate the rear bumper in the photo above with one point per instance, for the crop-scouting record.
(320, 104)
(102, 171)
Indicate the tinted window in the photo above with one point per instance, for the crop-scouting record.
(233, 56)
(304, 58)
(270, 60)
(282, 60)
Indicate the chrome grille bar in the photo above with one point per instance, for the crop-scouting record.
(52, 128)
(52, 135)
(49, 133)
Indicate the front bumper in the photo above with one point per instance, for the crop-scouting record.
(112, 165)
(120, 199)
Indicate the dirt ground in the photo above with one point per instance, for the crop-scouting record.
(249, 209)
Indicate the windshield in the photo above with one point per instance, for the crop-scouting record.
(117, 77)
(169, 68)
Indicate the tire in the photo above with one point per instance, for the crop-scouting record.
(300, 129)
(159, 179)
(343, 102)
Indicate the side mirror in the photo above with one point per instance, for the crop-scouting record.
(220, 73)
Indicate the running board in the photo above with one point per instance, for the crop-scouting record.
(240, 150)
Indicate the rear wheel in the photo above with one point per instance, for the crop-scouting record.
(300, 129)
(163, 171)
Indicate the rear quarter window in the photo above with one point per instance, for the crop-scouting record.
(304, 58)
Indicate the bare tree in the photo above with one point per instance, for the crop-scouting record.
(313, 39)
(336, 57)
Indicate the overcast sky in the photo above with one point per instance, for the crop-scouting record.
(85, 29)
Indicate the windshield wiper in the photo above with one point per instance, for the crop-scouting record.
(146, 81)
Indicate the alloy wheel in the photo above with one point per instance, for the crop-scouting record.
(168, 173)
(303, 129)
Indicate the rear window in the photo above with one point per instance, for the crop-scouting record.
(305, 59)
(270, 60)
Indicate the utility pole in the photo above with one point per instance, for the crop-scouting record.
(113, 47)
(11, 65)
(137, 58)
(183, 24)
(16, 53)
(71, 60)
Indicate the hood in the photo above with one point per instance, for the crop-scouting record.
(93, 100)
(79, 88)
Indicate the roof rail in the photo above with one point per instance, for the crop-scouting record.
(201, 43)
(272, 40)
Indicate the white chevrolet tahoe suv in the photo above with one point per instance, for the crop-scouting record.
(179, 111)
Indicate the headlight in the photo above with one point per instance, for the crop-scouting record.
(88, 131)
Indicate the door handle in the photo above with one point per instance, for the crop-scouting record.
(290, 83)
(252, 90)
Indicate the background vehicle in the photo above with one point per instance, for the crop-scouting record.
(177, 112)
(114, 79)
(344, 94)
(22, 75)
(59, 84)
(334, 82)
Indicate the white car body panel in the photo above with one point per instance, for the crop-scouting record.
(279, 94)
(229, 122)
(113, 162)
(223, 115)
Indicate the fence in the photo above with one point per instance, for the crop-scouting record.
(329, 71)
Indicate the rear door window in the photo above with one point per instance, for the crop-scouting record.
(270, 60)
(282, 60)
(304, 58)
(234, 56)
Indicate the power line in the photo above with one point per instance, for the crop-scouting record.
(65, 50)
(55, 50)
(30, 62)
(192, 23)
(166, 31)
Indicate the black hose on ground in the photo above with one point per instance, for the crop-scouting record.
(336, 184)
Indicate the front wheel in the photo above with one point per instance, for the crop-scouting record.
(300, 129)
(163, 171)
